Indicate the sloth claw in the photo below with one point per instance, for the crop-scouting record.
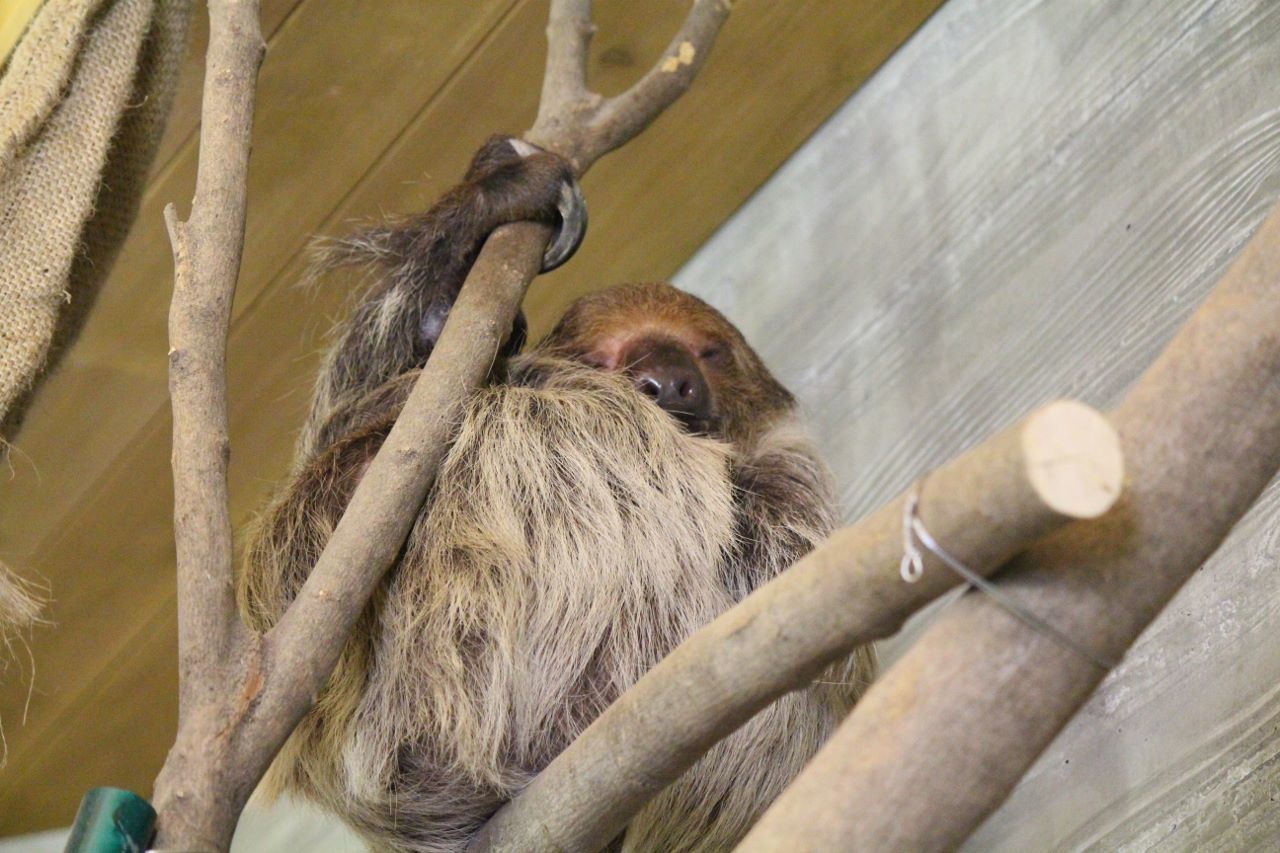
(571, 227)
(571, 214)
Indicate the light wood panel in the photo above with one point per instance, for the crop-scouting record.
(359, 114)
(1025, 203)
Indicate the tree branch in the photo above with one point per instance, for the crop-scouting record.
(207, 251)
(1061, 463)
(620, 118)
(569, 32)
(584, 126)
(940, 740)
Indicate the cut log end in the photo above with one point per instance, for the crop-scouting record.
(1073, 459)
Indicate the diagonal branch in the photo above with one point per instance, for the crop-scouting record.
(622, 117)
(305, 644)
(940, 740)
(1061, 463)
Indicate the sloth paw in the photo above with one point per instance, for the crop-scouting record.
(571, 209)
(524, 182)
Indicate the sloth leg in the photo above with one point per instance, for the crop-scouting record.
(511, 180)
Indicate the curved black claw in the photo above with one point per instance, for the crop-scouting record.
(571, 227)
(571, 209)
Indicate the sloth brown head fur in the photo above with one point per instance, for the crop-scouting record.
(615, 328)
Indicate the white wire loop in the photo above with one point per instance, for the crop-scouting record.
(912, 569)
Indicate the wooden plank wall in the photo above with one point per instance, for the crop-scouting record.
(1024, 203)
(364, 108)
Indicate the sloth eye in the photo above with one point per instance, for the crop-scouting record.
(714, 354)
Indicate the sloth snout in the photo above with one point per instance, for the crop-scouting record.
(671, 378)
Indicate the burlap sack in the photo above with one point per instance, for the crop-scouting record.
(83, 102)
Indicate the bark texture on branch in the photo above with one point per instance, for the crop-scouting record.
(194, 805)
(242, 693)
(940, 741)
(1059, 464)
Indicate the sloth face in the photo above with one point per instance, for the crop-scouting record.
(678, 351)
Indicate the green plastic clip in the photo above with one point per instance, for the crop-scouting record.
(112, 820)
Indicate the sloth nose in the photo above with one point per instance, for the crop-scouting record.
(669, 375)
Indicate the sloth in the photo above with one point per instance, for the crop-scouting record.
(607, 493)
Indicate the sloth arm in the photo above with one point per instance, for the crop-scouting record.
(419, 265)
(784, 501)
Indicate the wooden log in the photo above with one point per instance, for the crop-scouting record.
(940, 741)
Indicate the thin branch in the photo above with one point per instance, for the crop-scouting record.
(207, 251)
(940, 740)
(622, 117)
(569, 32)
(1061, 463)
(584, 127)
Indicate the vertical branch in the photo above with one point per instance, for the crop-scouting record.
(197, 808)
(207, 250)
(564, 83)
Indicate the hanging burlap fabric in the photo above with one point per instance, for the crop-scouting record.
(82, 104)
(83, 100)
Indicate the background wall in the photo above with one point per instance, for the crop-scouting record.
(1024, 203)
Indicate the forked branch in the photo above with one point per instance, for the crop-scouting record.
(242, 694)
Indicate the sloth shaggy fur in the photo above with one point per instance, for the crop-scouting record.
(574, 537)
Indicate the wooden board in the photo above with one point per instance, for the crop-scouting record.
(359, 114)
(1025, 203)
